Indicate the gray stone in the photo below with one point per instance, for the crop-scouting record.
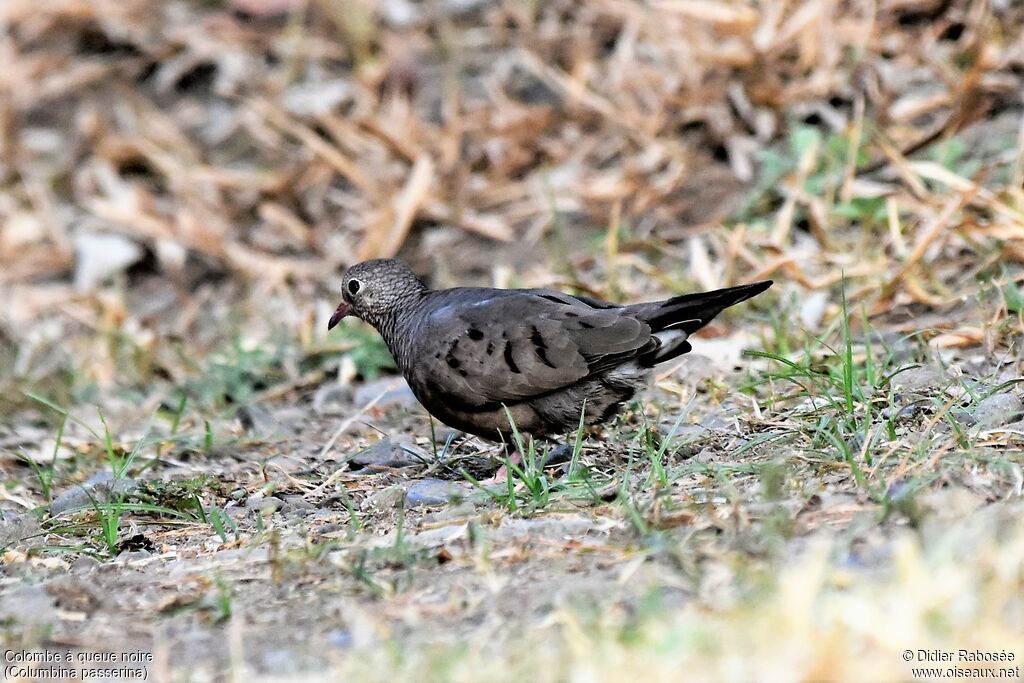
(257, 420)
(448, 513)
(99, 488)
(919, 379)
(557, 454)
(28, 605)
(688, 433)
(439, 536)
(331, 398)
(1017, 426)
(998, 410)
(263, 422)
(719, 420)
(84, 563)
(963, 417)
(706, 455)
(385, 498)
(433, 492)
(397, 393)
(298, 502)
(386, 453)
(551, 528)
(133, 556)
(905, 411)
(16, 527)
(265, 505)
(419, 493)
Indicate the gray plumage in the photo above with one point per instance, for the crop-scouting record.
(469, 353)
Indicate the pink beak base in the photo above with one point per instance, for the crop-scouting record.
(343, 310)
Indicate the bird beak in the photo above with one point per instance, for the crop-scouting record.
(344, 309)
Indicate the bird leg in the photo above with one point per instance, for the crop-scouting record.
(513, 456)
(558, 454)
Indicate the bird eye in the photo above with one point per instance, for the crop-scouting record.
(354, 286)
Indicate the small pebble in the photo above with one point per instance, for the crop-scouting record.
(433, 492)
(298, 502)
(396, 393)
(99, 488)
(998, 410)
(386, 453)
(918, 379)
(28, 604)
(386, 498)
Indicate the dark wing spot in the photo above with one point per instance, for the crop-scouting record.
(490, 348)
(536, 338)
(475, 334)
(450, 358)
(508, 359)
(540, 348)
(585, 325)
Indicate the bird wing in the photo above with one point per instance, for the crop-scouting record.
(484, 347)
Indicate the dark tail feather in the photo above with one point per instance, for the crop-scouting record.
(691, 312)
(679, 317)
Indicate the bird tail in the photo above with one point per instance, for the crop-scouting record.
(675, 319)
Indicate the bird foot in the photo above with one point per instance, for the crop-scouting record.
(559, 455)
(501, 476)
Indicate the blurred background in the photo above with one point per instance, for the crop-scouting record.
(177, 178)
(184, 182)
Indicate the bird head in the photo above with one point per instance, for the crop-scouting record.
(374, 290)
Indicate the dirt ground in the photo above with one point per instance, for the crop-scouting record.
(199, 483)
(377, 565)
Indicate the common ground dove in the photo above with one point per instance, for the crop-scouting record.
(469, 353)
